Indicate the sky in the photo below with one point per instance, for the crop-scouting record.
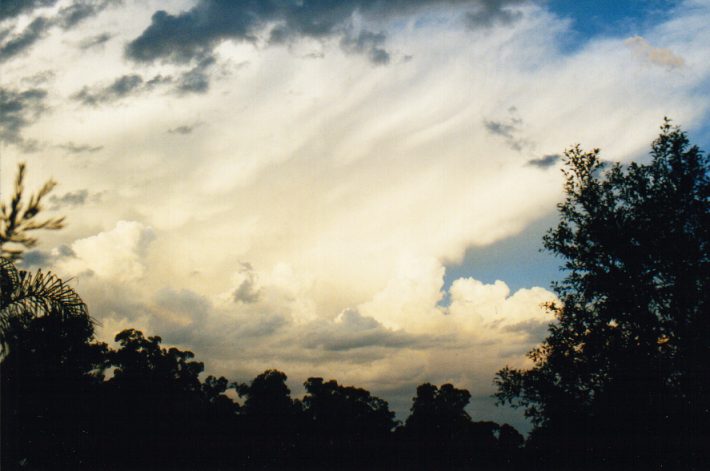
(353, 190)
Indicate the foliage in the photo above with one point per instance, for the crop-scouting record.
(40, 294)
(624, 371)
(50, 366)
(18, 219)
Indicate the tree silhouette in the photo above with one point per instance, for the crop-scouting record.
(623, 374)
(19, 218)
(50, 370)
(272, 419)
(347, 426)
(183, 421)
(39, 293)
(439, 433)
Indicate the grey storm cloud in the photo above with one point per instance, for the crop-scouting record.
(247, 292)
(13, 8)
(546, 161)
(192, 34)
(492, 12)
(352, 331)
(118, 89)
(369, 43)
(66, 18)
(126, 85)
(19, 109)
(44, 258)
(196, 80)
(73, 198)
(95, 41)
(22, 41)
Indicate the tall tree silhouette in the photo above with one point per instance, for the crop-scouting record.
(624, 374)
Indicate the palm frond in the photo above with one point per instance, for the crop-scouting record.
(41, 294)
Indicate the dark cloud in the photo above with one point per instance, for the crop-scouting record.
(76, 198)
(546, 161)
(352, 330)
(508, 129)
(126, 85)
(193, 34)
(24, 40)
(247, 292)
(158, 80)
(36, 258)
(79, 149)
(190, 36)
(196, 80)
(12, 8)
(94, 41)
(500, 129)
(81, 10)
(184, 129)
(67, 17)
(19, 109)
(493, 12)
(368, 43)
(533, 330)
(44, 258)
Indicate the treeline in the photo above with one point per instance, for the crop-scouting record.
(69, 402)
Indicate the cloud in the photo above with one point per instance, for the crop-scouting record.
(351, 330)
(122, 87)
(67, 18)
(94, 41)
(369, 43)
(72, 148)
(655, 55)
(13, 8)
(39, 78)
(117, 254)
(247, 290)
(43, 259)
(18, 110)
(183, 129)
(72, 198)
(493, 12)
(509, 129)
(545, 161)
(80, 10)
(196, 80)
(24, 40)
(194, 33)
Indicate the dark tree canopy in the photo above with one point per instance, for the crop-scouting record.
(625, 370)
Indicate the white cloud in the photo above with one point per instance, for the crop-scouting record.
(116, 255)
